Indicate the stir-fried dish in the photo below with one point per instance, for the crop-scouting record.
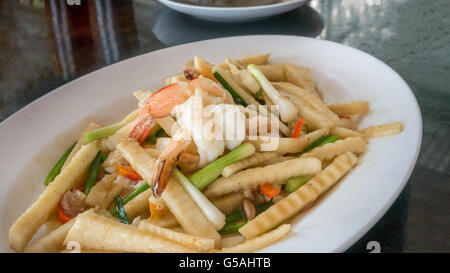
(217, 160)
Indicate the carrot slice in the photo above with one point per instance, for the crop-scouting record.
(155, 210)
(62, 215)
(298, 128)
(127, 171)
(268, 190)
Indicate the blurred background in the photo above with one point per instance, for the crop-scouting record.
(46, 43)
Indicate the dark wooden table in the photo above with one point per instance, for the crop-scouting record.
(44, 44)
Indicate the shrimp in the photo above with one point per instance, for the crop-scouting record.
(158, 105)
(168, 159)
(161, 104)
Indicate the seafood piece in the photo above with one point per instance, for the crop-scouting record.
(161, 103)
(168, 159)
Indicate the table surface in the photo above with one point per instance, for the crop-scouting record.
(45, 44)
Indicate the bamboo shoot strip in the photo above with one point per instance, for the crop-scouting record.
(201, 244)
(80, 141)
(51, 242)
(260, 242)
(301, 198)
(142, 162)
(351, 144)
(251, 178)
(214, 215)
(187, 213)
(36, 215)
(248, 162)
(89, 230)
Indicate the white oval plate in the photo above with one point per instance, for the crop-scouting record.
(234, 14)
(34, 137)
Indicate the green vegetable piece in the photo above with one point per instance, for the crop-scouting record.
(210, 172)
(267, 87)
(153, 137)
(239, 214)
(93, 173)
(102, 132)
(262, 207)
(136, 192)
(319, 143)
(234, 216)
(236, 97)
(130, 197)
(103, 158)
(58, 166)
(232, 228)
(257, 95)
(296, 182)
(120, 211)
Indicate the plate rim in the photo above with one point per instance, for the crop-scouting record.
(229, 9)
(363, 229)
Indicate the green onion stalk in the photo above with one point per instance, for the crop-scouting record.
(319, 143)
(296, 182)
(210, 172)
(131, 196)
(236, 97)
(120, 210)
(93, 173)
(110, 129)
(236, 219)
(58, 166)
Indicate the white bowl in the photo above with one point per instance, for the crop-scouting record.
(233, 14)
(34, 137)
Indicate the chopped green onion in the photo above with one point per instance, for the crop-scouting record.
(296, 182)
(121, 212)
(210, 172)
(58, 166)
(237, 215)
(267, 87)
(234, 216)
(132, 195)
(110, 129)
(319, 143)
(103, 157)
(257, 95)
(136, 192)
(102, 132)
(287, 110)
(236, 97)
(153, 136)
(214, 215)
(232, 228)
(262, 207)
(93, 173)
